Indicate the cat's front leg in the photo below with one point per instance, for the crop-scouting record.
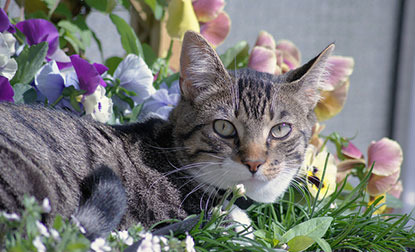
(240, 216)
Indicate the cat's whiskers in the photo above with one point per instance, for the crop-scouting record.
(213, 190)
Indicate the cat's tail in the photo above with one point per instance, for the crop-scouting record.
(102, 205)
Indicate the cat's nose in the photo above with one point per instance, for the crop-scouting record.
(253, 165)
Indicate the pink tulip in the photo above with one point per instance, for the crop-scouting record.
(216, 30)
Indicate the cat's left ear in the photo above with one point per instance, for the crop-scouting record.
(308, 79)
(201, 70)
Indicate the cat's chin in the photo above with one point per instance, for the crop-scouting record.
(267, 191)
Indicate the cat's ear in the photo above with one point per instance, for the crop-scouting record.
(201, 69)
(310, 78)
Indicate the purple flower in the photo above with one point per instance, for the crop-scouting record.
(5, 24)
(162, 102)
(6, 90)
(88, 75)
(41, 30)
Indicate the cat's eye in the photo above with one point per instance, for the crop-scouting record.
(281, 130)
(224, 128)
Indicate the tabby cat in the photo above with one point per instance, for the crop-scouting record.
(230, 127)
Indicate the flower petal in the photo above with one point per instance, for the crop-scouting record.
(5, 24)
(40, 30)
(290, 54)
(98, 105)
(6, 90)
(331, 102)
(381, 184)
(315, 140)
(217, 29)
(348, 164)
(88, 76)
(62, 60)
(340, 69)
(49, 81)
(135, 76)
(266, 40)
(207, 10)
(351, 151)
(262, 59)
(100, 68)
(9, 69)
(396, 190)
(181, 18)
(387, 155)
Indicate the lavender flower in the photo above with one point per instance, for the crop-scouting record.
(5, 24)
(162, 102)
(134, 75)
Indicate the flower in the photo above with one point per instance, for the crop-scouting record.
(125, 237)
(6, 90)
(315, 138)
(37, 242)
(88, 75)
(214, 22)
(149, 243)
(99, 245)
(386, 157)
(239, 190)
(181, 18)
(134, 75)
(381, 204)
(8, 66)
(46, 206)
(41, 30)
(190, 244)
(314, 164)
(98, 105)
(5, 24)
(55, 235)
(43, 230)
(337, 86)
(162, 102)
(12, 216)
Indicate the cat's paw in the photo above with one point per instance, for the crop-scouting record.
(240, 216)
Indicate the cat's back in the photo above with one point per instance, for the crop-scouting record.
(46, 153)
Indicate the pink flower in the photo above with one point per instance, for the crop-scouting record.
(214, 23)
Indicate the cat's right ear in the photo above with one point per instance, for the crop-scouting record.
(201, 70)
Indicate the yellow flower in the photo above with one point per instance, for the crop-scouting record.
(314, 166)
(181, 18)
(382, 202)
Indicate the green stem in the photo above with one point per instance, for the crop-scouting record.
(57, 101)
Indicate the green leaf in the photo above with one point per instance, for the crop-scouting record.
(393, 202)
(315, 228)
(58, 223)
(62, 10)
(300, 243)
(126, 4)
(324, 245)
(149, 55)
(235, 55)
(136, 112)
(112, 64)
(29, 62)
(51, 5)
(24, 93)
(102, 5)
(129, 40)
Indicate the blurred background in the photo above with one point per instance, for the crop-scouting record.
(378, 34)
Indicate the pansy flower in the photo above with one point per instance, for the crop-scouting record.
(8, 66)
(313, 166)
(41, 30)
(135, 76)
(204, 16)
(5, 25)
(6, 90)
(162, 102)
(280, 57)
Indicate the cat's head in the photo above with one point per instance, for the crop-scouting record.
(243, 127)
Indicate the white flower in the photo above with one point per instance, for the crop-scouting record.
(12, 216)
(99, 245)
(11, 42)
(134, 75)
(42, 229)
(240, 189)
(46, 206)
(37, 242)
(150, 243)
(55, 234)
(190, 244)
(164, 243)
(8, 66)
(78, 224)
(125, 237)
(98, 105)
